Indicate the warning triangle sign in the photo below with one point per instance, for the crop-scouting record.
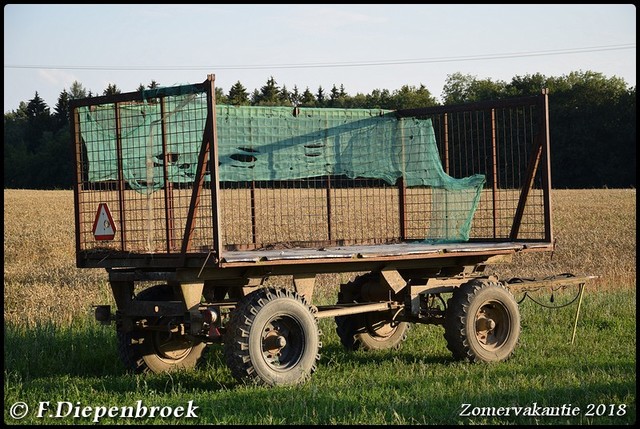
(103, 226)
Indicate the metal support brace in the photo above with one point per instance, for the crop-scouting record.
(433, 286)
(251, 284)
(304, 284)
(122, 293)
(191, 294)
(575, 324)
(393, 279)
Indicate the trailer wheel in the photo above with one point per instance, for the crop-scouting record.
(272, 338)
(144, 351)
(367, 331)
(482, 322)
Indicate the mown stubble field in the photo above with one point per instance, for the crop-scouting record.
(54, 350)
(595, 232)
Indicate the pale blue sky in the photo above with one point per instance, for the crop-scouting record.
(363, 47)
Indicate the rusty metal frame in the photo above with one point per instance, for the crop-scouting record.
(328, 194)
(215, 179)
(540, 150)
(77, 145)
(494, 171)
(168, 186)
(121, 185)
(116, 99)
(546, 178)
(208, 156)
(203, 157)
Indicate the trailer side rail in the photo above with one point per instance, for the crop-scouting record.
(184, 180)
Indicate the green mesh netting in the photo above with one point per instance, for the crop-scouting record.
(277, 143)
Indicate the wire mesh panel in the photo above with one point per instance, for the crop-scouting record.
(309, 213)
(309, 177)
(503, 142)
(304, 177)
(299, 177)
(312, 177)
(139, 158)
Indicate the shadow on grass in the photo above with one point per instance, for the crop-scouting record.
(47, 355)
(90, 349)
(46, 350)
(423, 388)
(361, 404)
(335, 353)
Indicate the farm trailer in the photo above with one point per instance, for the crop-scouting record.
(190, 206)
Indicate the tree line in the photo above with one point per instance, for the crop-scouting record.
(592, 123)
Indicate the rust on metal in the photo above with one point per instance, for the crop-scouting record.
(168, 185)
(121, 185)
(446, 143)
(530, 176)
(494, 171)
(326, 211)
(540, 149)
(253, 213)
(546, 178)
(213, 157)
(328, 193)
(197, 188)
(77, 144)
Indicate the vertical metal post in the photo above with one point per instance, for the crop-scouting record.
(168, 185)
(329, 207)
(121, 183)
(402, 188)
(252, 201)
(446, 143)
(79, 183)
(213, 159)
(402, 202)
(494, 157)
(546, 177)
(446, 169)
(253, 213)
(328, 187)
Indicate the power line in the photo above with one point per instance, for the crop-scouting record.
(340, 64)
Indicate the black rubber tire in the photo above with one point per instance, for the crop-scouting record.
(367, 331)
(272, 339)
(482, 322)
(141, 350)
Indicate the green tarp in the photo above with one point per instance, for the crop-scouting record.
(257, 143)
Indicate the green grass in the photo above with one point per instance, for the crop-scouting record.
(418, 384)
(54, 350)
